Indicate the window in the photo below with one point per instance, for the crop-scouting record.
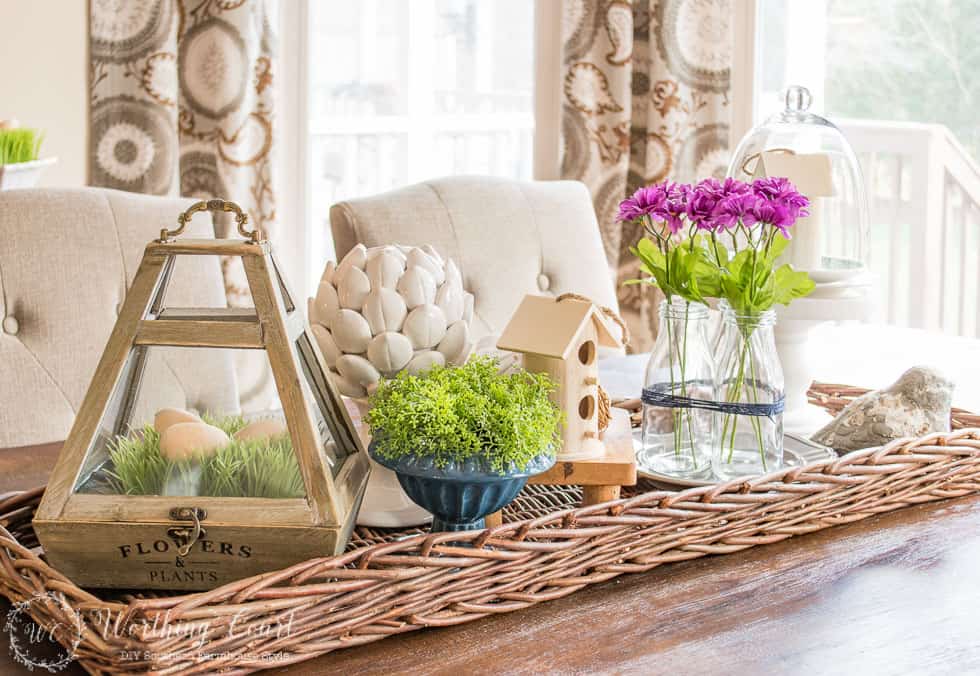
(899, 78)
(896, 60)
(397, 92)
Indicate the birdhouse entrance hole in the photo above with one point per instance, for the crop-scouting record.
(586, 353)
(586, 407)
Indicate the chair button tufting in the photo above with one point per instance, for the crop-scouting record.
(543, 282)
(10, 325)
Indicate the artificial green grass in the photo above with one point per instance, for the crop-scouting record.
(19, 145)
(453, 414)
(257, 468)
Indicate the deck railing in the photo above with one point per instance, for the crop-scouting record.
(924, 196)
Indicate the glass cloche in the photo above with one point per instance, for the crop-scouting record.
(832, 243)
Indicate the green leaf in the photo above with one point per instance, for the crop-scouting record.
(647, 250)
(790, 284)
(720, 252)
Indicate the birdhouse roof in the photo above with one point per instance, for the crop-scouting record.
(546, 326)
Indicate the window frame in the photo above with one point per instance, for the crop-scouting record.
(294, 236)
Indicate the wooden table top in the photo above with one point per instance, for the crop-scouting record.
(893, 594)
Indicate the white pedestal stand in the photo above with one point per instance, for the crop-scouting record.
(837, 301)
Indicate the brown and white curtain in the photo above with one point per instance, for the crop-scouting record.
(645, 99)
(181, 102)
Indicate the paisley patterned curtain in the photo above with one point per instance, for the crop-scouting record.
(181, 103)
(645, 98)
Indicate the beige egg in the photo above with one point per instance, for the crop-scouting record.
(324, 305)
(262, 429)
(419, 259)
(186, 440)
(346, 387)
(384, 270)
(417, 287)
(328, 346)
(449, 298)
(425, 326)
(9, 124)
(166, 417)
(468, 308)
(350, 331)
(328, 271)
(358, 370)
(352, 288)
(390, 352)
(384, 310)
(455, 345)
(423, 361)
(355, 258)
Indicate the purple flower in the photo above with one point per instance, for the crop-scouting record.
(641, 203)
(674, 208)
(730, 187)
(666, 202)
(772, 187)
(774, 213)
(782, 191)
(715, 205)
(734, 208)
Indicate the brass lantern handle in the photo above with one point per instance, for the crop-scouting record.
(214, 206)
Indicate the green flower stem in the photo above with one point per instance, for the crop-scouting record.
(675, 413)
(755, 400)
(684, 392)
(735, 395)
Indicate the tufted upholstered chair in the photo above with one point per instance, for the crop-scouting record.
(510, 238)
(66, 260)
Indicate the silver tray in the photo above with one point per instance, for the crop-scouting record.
(797, 451)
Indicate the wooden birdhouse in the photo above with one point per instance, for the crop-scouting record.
(150, 494)
(561, 337)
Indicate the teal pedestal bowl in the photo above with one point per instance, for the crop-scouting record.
(460, 495)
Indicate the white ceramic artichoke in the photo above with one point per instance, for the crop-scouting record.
(388, 309)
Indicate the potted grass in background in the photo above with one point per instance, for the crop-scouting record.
(20, 166)
(463, 441)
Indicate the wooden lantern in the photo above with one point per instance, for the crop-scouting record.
(199, 542)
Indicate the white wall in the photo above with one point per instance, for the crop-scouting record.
(44, 79)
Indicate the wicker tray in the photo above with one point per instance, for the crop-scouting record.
(390, 582)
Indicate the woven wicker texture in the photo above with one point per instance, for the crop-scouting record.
(391, 582)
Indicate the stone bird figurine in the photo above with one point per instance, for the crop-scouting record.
(916, 404)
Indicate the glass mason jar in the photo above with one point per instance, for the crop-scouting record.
(749, 438)
(677, 440)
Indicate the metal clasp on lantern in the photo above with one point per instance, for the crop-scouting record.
(186, 536)
(214, 206)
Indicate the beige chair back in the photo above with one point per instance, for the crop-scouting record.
(66, 260)
(510, 238)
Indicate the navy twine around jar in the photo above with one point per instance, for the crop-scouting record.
(661, 394)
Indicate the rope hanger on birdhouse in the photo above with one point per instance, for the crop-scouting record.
(609, 312)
